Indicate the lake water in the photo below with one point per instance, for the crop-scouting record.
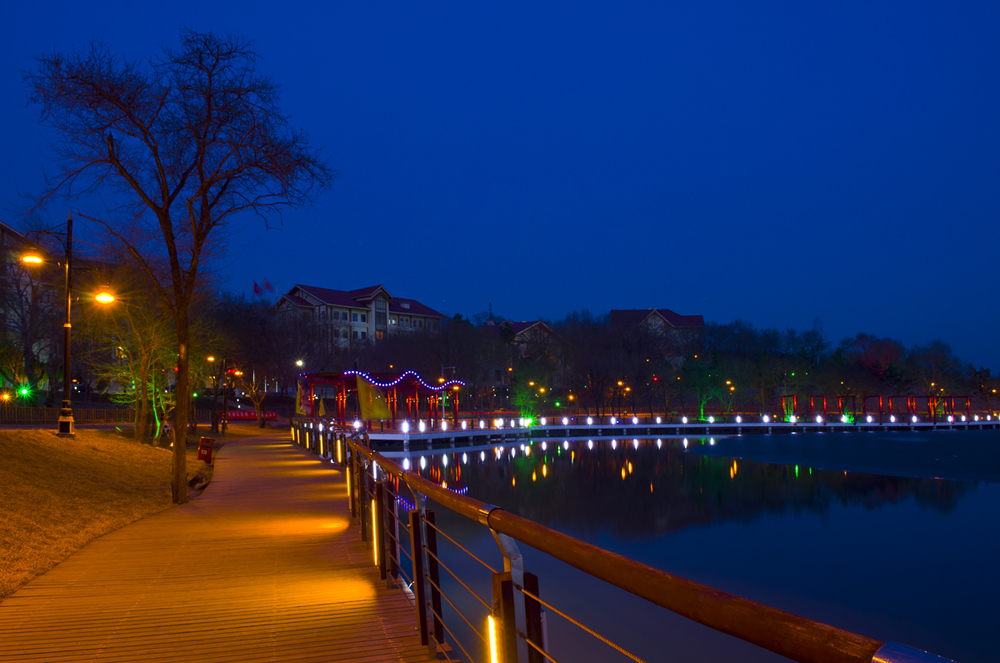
(854, 530)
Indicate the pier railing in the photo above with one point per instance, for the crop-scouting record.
(514, 627)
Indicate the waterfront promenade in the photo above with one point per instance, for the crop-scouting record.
(261, 567)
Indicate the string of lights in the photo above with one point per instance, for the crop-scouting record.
(385, 385)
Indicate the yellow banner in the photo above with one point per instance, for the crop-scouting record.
(373, 403)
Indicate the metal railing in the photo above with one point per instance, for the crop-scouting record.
(515, 626)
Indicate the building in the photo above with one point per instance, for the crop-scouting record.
(350, 316)
(679, 330)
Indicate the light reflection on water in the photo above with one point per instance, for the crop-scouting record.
(894, 558)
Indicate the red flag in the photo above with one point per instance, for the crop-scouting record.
(256, 289)
(268, 286)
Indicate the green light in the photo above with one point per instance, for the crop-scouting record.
(24, 391)
(195, 394)
(796, 471)
(558, 403)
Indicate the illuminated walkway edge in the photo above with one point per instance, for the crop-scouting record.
(261, 567)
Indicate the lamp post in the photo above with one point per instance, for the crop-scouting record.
(66, 423)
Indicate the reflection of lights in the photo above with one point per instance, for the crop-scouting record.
(635, 443)
(623, 474)
(527, 451)
(444, 460)
(465, 459)
(590, 421)
(545, 470)
(630, 467)
(534, 475)
(711, 440)
(684, 420)
(423, 462)
(614, 444)
(590, 444)
(482, 455)
(492, 627)
(374, 538)
(685, 443)
(659, 444)
(565, 445)
(406, 463)
(545, 446)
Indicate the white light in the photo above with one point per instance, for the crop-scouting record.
(843, 418)
(684, 420)
(659, 421)
(963, 417)
(406, 463)
(423, 462)
(613, 421)
(544, 446)
(819, 419)
(422, 427)
(869, 418)
(951, 419)
(975, 417)
(321, 428)
(465, 459)
(711, 420)
(565, 446)
(590, 421)
(767, 419)
(482, 455)
(614, 444)
(739, 419)
(544, 420)
(513, 452)
(444, 425)
(482, 424)
(659, 444)
(590, 444)
(711, 440)
(357, 424)
(520, 422)
(635, 443)
(635, 420)
(511, 423)
(444, 460)
(406, 427)
(685, 443)
(892, 419)
(989, 417)
(913, 418)
(565, 421)
(792, 418)
(464, 426)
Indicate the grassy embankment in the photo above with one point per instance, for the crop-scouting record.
(58, 494)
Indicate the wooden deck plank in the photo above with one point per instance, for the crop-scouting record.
(262, 567)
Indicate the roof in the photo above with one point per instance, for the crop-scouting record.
(359, 298)
(637, 317)
(517, 327)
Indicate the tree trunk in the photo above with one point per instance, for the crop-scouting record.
(178, 482)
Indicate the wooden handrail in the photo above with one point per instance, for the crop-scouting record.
(784, 633)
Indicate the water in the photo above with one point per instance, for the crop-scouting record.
(893, 555)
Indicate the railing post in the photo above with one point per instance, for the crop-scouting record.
(378, 528)
(533, 617)
(363, 499)
(433, 574)
(416, 553)
(503, 617)
(392, 531)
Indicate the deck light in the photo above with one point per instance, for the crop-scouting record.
(975, 417)
(914, 419)
(422, 427)
(543, 420)
(613, 421)
(493, 639)
(684, 420)
(963, 417)
(357, 424)
(444, 425)
(565, 421)
(767, 419)
(819, 419)
(590, 421)
(635, 420)
(482, 424)
(659, 420)
(892, 419)
(711, 420)
(869, 418)
(511, 423)
(465, 425)
(739, 419)
(792, 419)
(951, 419)
(406, 426)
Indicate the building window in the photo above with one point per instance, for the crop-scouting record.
(363, 318)
(336, 315)
(356, 334)
(420, 323)
(343, 334)
(379, 335)
(354, 317)
(364, 335)
(392, 320)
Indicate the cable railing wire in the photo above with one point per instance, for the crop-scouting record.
(467, 551)
(448, 630)
(460, 613)
(452, 573)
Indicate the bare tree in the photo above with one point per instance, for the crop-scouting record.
(178, 148)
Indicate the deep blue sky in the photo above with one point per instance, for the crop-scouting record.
(770, 161)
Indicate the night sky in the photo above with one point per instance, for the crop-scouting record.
(775, 162)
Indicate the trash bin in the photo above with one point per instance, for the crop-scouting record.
(205, 449)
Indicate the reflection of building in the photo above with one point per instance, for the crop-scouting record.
(348, 316)
(679, 329)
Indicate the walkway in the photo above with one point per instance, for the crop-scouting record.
(261, 567)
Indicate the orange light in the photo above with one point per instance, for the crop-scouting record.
(32, 259)
(105, 297)
(545, 470)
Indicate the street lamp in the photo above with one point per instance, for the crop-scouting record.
(66, 424)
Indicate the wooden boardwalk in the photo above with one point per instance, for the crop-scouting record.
(261, 567)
